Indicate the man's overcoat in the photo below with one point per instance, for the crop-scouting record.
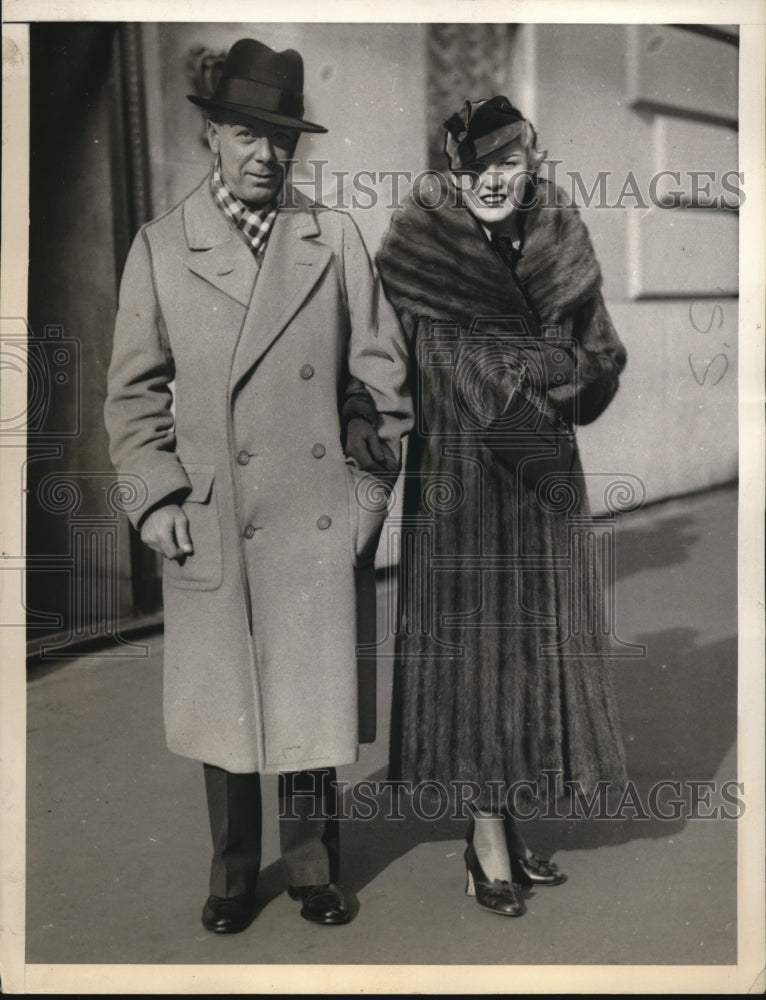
(226, 390)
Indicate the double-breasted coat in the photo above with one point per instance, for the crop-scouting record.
(226, 390)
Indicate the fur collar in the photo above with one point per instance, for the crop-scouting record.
(437, 262)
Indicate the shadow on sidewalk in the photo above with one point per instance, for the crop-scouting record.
(659, 545)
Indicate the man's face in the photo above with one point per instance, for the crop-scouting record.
(254, 158)
(494, 188)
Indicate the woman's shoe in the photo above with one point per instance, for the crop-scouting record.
(498, 896)
(527, 868)
(536, 871)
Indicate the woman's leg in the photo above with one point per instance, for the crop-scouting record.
(489, 842)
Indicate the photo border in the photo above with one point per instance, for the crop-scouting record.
(747, 975)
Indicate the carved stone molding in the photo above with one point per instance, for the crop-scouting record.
(130, 62)
(203, 70)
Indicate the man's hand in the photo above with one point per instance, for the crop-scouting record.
(166, 530)
(369, 452)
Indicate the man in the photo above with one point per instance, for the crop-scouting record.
(264, 313)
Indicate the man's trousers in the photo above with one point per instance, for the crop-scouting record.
(308, 829)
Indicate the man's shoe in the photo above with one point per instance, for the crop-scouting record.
(223, 915)
(325, 904)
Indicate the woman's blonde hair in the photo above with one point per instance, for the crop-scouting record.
(528, 140)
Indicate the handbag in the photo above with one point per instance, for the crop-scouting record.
(529, 436)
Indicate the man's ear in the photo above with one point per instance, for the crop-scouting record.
(213, 136)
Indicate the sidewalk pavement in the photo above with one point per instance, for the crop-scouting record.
(118, 846)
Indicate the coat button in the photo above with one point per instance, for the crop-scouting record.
(306, 371)
(249, 531)
(243, 458)
(324, 522)
(318, 450)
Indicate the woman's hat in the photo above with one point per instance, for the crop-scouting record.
(257, 82)
(480, 128)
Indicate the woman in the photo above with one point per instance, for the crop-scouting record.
(495, 281)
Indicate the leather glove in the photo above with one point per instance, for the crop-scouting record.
(369, 452)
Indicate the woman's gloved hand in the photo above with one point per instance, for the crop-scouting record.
(368, 450)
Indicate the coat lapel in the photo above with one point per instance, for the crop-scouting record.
(294, 262)
(216, 251)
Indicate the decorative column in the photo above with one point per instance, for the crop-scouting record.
(92, 502)
(410, 541)
(592, 561)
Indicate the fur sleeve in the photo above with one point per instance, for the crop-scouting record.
(599, 359)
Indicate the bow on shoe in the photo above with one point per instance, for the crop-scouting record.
(537, 871)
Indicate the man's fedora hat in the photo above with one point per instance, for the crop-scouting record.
(257, 82)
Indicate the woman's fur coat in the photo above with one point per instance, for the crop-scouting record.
(501, 671)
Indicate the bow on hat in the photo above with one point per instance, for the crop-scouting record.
(457, 129)
(478, 128)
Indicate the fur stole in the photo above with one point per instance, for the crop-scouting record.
(437, 262)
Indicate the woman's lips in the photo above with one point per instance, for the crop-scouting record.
(493, 200)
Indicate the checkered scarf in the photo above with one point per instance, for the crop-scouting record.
(255, 226)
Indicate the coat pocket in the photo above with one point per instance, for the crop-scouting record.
(368, 505)
(203, 570)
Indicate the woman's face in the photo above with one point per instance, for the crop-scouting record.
(493, 189)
